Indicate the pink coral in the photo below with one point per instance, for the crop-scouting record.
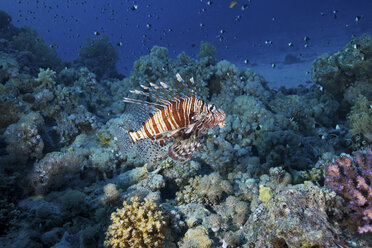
(352, 178)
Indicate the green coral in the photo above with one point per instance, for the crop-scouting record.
(46, 78)
(360, 118)
(99, 56)
(41, 55)
(136, 225)
(340, 70)
(313, 175)
(104, 141)
(206, 50)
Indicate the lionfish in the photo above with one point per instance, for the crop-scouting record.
(175, 116)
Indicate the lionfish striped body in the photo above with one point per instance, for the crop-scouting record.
(176, 116)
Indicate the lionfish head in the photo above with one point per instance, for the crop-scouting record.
(218, 115)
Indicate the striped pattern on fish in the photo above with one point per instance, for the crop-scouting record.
(176, 116)
(171, 117)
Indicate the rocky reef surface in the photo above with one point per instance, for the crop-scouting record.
(277, 175)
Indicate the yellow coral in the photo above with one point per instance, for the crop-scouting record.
(314, 175)
(265, 194)
(136, 225)
(103, 140)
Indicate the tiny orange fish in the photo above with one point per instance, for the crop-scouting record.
(232, 4)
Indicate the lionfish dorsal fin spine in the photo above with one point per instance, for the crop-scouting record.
(142, 102)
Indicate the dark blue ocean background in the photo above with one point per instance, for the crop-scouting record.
(238, 33)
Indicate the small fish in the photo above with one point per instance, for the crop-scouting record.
(96, 33)
(134, 7)
(268, 42)
(273, 65)
(357, 18)
(175, 116)
(232, 4)
(119, 43)
(290, 44)
(306, 38)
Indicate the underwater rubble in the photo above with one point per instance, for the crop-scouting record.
(271, 177)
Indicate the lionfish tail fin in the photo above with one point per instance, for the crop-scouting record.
(123, 140)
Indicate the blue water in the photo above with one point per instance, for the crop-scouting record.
(238, 34)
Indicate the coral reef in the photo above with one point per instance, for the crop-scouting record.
(196, 237)
(208, 190)
(340, 70)
(136, 225)
(55, 170)
(360, 119)
(295, 217)
(99, 56)
(352, 178)
(23, 138)
(35, 53)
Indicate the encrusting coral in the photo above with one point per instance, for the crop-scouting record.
(352, 178)
(136, 225)
(294, 217)
(55, 170)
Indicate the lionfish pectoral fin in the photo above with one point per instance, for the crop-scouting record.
(123, 140)
(168, 134)
(149, 150)
(183, 149)
(190, 128)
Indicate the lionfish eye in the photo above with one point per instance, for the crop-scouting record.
(211, 107)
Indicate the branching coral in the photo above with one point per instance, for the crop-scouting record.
(136, 225)
(352, 178)
(46, 78)
(360, 118)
